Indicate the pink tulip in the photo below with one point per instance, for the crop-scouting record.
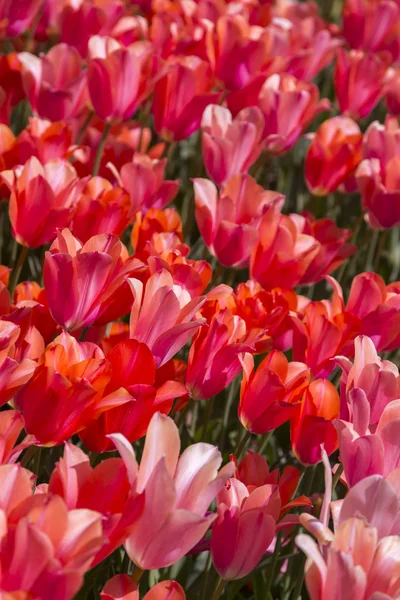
(17, 18)
(377, 174)
(99, 267)
(360, 19)
(121, 587)
(244, 528)
(379, 379)
(361, 80)
(366, 450)
(229, 223)
(288, 106)
(230, 146)
(361, 559)
(178, 492)
(124, 75)
(55, 83)
(163, 315)
(143, 179)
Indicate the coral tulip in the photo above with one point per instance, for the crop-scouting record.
(42, 199)
(313, 423)
(214, 355)
(333, 155)
(99, 267)
(269, 396)
(121, 587)
(181, 96)
(229, 223)
(230, 146)
(177, 489)
(361, 80)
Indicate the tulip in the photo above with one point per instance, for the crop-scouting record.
(230, 146)
(163, 315)
(104, 489)
(11, 425)
(133, 379)
(181, 96)
(14, 371)
(17, 19)
(288, 106)
(121, 587)
(124, 75)
(46, 140)
(42, 199)
(99, 267)
(229, 223)
(378, 378)
(359, 23)
(214, 357)
(333, 155)
(361, 556)
(313, 423)
(393, 94)
(100, 208)
(377, 174)
(366, 450)
(177, 489)
(154, 222)
(361, 80)
(68, 387)
(55, 83)
(244, 528)
(46, 549)
(143, 179)
(269, 396)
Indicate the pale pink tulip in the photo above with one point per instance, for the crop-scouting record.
(178, 493)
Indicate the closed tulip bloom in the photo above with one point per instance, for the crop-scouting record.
(122, 73)
(244, 528)
(288, 106)
(15, 19)
(229, 221)
(214, 357)
(55, 83)
(333, 155)
(359, 23)
(377, 174)
(361, 81)
(67, 385)
(99, 267)
(181, 96)
(230, 146)
(122, 587)
(269, 396)
(42, 199)
(179, 490)
(313, 423)
(361, 557)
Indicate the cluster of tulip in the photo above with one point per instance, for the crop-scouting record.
(184, 385)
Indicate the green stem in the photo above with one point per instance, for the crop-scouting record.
(228, 406)
(206, 577)
(371, 252)
(100, 149)
(85, 125)
(219, 589)
(16, 272)
(206, 420)
(381, 245)
(242, 445)
(337, 475)
(28, 455)
(137, 574)
(264, 442)
(274, 563)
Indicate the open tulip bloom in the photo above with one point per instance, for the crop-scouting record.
(199, 300)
